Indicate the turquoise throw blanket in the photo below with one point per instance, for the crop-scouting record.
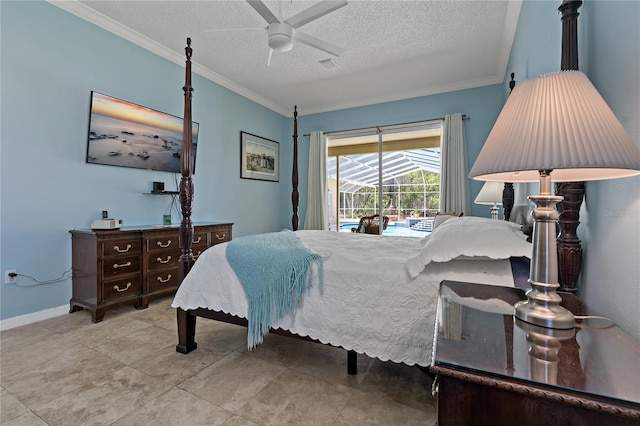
(273, 270)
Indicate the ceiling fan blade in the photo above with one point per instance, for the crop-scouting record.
(325, 46)
(315, 12)
(270, 56)
(275, 58)
(263, 10)
(220, 30)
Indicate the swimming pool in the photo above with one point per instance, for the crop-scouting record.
(392, 229)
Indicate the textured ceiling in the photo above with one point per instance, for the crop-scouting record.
(393, 49)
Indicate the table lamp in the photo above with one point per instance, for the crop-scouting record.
(491, 194)
(555, 127)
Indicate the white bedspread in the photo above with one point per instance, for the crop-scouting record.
(370, 302)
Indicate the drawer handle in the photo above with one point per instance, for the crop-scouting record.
(164, 261)
(119, 250)
(221, 237)
(435, 387)
(164, 245)
(120, 290)
(165, 280)
(198, 240)
(122, 265)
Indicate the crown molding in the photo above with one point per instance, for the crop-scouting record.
(80, 10)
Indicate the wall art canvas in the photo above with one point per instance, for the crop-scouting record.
(125, 134)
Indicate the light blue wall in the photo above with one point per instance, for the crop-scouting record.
(611, 273)
(481, 105)
(51, 61)
(536, 46)
(609, 53)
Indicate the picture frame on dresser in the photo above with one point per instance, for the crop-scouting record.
(259, 158)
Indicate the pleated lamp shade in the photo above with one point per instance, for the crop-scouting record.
(490, 194)
(557, 122)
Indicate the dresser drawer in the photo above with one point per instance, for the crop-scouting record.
(220, 236)
(161, 280)
(167, 259)
(163, 242)
(120, 266)
(199, 241)
(120, 289)
(197, 252)
(118, 247)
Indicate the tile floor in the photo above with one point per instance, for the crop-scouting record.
(125, 371)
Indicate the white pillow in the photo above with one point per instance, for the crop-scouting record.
(472, 237)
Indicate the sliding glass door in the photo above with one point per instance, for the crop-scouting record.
(391, 173)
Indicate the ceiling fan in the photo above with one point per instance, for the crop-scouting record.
(282, 34)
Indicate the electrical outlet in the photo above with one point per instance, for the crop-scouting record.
(8, 279)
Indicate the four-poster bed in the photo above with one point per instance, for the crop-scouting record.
(187, 316)
(405, 281)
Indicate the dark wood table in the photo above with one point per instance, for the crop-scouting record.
(493, 369)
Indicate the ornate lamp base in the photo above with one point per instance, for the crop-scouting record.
(542, 306)
(494, 211)
(544, 315)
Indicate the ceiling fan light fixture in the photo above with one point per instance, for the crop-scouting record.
(280, 36)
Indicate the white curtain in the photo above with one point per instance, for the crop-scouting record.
(453, 175)
(316, 215)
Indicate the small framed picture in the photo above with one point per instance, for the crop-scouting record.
(259, 158)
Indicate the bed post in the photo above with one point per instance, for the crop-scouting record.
(508, 196)
(295, 196)
(352, 356)
(186, 322)
(569, 245)
(186, 183)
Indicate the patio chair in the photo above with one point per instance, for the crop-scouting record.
(371, 224)
(443, 216)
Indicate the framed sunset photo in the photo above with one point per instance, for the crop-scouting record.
(125, 134)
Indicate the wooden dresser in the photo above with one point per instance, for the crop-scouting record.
(495, 370)
(131, 265)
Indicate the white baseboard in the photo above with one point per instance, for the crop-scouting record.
(18, 321)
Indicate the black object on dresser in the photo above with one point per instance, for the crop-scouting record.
(132, 265)
(493, 369)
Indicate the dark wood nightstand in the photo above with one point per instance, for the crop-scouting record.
(493, 369)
